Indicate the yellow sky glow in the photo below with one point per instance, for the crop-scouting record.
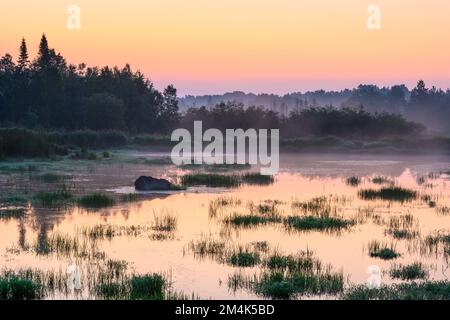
(205, 46)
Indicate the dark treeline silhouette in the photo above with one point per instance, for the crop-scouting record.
(47, 106)
(47, 92)
(313, 121)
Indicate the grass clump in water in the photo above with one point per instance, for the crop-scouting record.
(284, 277)
(251, 220)
(129, 197)
(147, 287)
(210, 180)
(383, 251)
(317, 223)
(12, 213)
(243, 258)
(380, 180)
(388, 193)
(96, 200)
(353, 181)
(54, 199)
(316, 206)
(50, 177)
(439, 290)
(13, 287)
(208, 247)
(166, 222)
(409, 272)
(257, 178)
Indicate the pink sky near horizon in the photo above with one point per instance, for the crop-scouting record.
(204, 46)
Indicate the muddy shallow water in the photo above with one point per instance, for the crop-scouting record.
(301, 178)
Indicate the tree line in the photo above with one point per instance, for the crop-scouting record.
(47, 92)
(50, 94)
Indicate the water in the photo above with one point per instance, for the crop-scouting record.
(301, 178)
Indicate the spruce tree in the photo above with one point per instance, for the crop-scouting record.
(23, 56)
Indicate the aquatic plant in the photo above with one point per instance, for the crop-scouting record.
(96, 200)
(381, 250)
(257, 178)
(430, 290)
(14, 287)
(409, 272)
(165, 222)
(54, 199)
(247, 220)
(317, 223)
(388, 193)
(210, 180)
(243, 258)
(12, 213)
(353, 181)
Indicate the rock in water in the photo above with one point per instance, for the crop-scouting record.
(144, 183)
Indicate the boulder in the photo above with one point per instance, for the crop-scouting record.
(144, 183)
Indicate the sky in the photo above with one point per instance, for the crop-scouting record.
(272, 46)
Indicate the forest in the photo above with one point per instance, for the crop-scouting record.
(48, 99)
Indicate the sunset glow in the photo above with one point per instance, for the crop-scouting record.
(204, 46)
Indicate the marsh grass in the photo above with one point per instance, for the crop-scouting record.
(55, 198)
(285, 277)
(108, 231)
(208, 247)
(401, 227)
(316, 206)
(321, 223)
(13, 287)
(129, 197)
(224, 181)
(381, 180)
(383, 251)
(353, 181)
(12, 213)
(388, 193)
(257, 178)
(219, 204)
(210, 180)
(430, 290)
(147, 287)
(15, 200)
(50, 177)
(67, 246)
(166, 222)
(243, 257)
(96, 200)
(216, 167)
(249, 220)
(444, 210)
(409, 272)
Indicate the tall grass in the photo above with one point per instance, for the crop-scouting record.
(409, 272)
(381, 250)
(96, 200)
(388, 193)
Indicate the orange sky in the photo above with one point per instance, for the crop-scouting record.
(206, 46)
